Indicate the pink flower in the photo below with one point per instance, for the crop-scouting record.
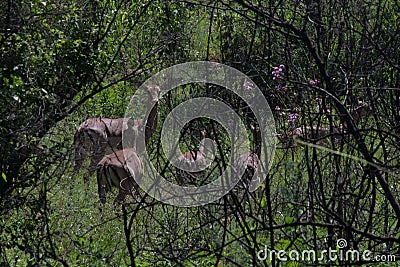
(248, 86)
(280, 87)
(292, 118)
(277, 72)
(314, 82)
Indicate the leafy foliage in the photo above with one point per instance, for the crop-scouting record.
(315, 62)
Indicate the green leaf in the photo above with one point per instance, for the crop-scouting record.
(4, 176)
(289, 219)
(262, 202)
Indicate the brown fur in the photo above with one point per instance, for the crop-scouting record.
(310, 133)
(363, 110)
(113, 171)
(97, 136)
(193, 159)
(250, 161)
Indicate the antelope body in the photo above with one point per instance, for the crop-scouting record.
(363, 110)
(321, 133)
(113, 171)
(250, 162)
(194, 160)
(307, 133)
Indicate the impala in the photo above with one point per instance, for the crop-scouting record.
(113, 171)
(97, 136)
(309, 133)
(248, 164)
(250, 161)
(194, 160)
(363, 110)
(321, 133)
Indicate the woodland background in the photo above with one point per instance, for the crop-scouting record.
(314, 60)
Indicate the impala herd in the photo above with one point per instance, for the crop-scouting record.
(96, 137)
